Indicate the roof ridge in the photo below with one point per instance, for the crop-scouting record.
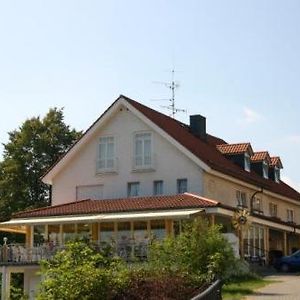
(156, 111)
(145, 203)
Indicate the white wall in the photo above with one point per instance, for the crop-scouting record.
(171, 164)
(31, 282)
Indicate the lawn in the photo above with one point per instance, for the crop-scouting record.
(239, 289)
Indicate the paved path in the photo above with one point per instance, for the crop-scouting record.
(287, 289)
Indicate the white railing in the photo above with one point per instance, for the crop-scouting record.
(20, 254)
(140, 163)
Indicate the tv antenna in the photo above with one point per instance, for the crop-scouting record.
(173, 85)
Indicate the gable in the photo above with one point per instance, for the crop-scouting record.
(121, 104)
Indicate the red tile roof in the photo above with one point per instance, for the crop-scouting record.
(235, 148)
(204, 150)
(261, 156)
(207, 152)
(276, 161)
(180, 201)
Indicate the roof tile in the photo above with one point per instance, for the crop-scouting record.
(207, 152)
(234, 148)
(121, 205)
(261, 156)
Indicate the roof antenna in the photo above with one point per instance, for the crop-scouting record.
(173, 85)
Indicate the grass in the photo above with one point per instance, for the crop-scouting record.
(240, 288)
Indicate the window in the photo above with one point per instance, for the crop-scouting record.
(140, 231)
(254, 241)
(277, 174)
(142, 151)
(265, 170)
(273, 209)
(39, 234)
(106, 159)
(181, 186)
(241, 198)
(290, 215)
(158, 229)
(158, 187)
(133, 189)
(257, 205)
(84, 231)
(68, 232)
(54, 234)
(124, 234)
(93, 192)
(107, 232)
(247, 162)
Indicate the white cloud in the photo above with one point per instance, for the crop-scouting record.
(251, 116)
(291, 182)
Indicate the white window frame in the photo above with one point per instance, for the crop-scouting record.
(158, 187)
(107, 163)
(276, 174)
(265, 169)
(241, 198)
(129, 189)
(290, 215)
(247, 162)
(258, 245)
(143, 164)
(273, 209)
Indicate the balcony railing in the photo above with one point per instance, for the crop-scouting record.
(19, 254)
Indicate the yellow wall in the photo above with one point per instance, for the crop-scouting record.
(224, 191)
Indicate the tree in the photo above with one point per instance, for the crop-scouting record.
(31, 149)
(78, 272)
(200, 251)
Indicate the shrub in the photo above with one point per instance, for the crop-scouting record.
(200, 252)
(79, 273)
(144, 285)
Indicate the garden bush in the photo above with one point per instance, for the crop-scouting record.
(78, 272)
(178, 268)
(200, 252)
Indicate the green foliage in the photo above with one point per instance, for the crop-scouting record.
(78, 272)
(31, 149)
(178, 268)
(200, 252)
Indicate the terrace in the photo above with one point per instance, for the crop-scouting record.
(20, 254)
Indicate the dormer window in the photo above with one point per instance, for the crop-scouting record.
(247, 162)
(265, 167)
(275, 166)
(277, 174)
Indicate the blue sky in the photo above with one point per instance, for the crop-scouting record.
(237, 63)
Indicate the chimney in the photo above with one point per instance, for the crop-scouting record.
(198, 126)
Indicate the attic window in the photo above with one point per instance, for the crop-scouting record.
(247, 162)
(277, 174)
(265, 169)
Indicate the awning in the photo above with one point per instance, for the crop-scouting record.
(166, 214)
(14, 229)
(170, 214)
